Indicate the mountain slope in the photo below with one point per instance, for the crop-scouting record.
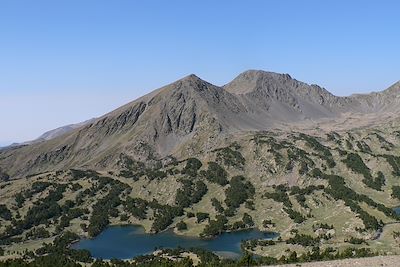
(191, 116)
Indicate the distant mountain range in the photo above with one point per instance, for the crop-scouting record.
(52, 134)
(192, 115)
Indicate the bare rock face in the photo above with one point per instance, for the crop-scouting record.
(188, 117)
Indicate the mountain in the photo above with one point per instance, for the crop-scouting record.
(61, 131)
(188, 116)
(264, 151)
(51, 134)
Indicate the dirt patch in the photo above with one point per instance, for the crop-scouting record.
(389, 261)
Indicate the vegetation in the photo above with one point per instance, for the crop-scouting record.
(248, 220)
(5, 213)
(60, 248)
(301, 193)
(394, 161)
(49, 209)
(181, 226)
(356, 241)
(106, 206)
(202, 216)
(37, 233)
(190, 193)
(217, 205)
(268, 223)
(192, 166)
(323, 151)
(280, 195)
(363, 147)
(238, 192)
(322, 226)
(215, 174)
(396, 192)
(215, 227)
(296, 216)
(338, 190)
(155, 174)
(296, 154)
(137, 207)
(356, 164)
(164, 215)
(173, 258)
(303, 240)
(231, 157)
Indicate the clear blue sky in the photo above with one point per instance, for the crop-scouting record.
(69, 60)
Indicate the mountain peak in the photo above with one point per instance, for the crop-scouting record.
(250, 80)
(191, 78)
(261, 74)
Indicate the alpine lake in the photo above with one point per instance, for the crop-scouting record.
(126, 242)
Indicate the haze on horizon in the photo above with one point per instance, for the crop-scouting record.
(67, 61)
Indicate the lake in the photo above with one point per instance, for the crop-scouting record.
(126, 242)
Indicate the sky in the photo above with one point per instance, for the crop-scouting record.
(66, 61)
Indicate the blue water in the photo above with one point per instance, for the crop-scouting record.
(126, 242)
(397, 210)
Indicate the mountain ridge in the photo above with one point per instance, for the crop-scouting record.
(183, 117)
